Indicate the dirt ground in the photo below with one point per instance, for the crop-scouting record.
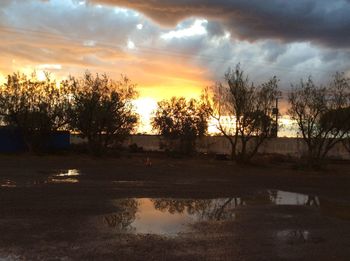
(47, 215)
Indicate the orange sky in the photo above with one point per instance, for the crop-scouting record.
(165, 55)
(157, 77)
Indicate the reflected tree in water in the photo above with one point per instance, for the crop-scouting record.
(260, 198)
(208, 209)
(124, 216)
(294, 236)
(201, 209)
(221, 209)
(292, 199)
(312, 201)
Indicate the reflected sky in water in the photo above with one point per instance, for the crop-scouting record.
(153, 221)
(166, 216)
(54, 177)
(169, 216)
(290, 198)
(68, 173)
(66, 176)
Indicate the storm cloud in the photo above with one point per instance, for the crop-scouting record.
(320, 21)
(176, 47)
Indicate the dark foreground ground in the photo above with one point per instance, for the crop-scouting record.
(82, 208)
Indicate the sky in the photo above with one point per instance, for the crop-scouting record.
(176, 47)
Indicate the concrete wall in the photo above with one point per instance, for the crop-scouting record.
(285, 146)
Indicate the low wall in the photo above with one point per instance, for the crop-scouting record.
(286, 146)
(295, 147)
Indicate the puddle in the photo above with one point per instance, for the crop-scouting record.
(292, 236)
(7, 183)
(167, 216)
(55, 177)
(68, 173)
(68, 176)
(279, 197)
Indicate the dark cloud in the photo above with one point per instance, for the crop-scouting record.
(321, 21)
(215, 29)
(79, 35)
(273, 50)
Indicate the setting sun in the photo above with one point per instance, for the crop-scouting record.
(145, 107)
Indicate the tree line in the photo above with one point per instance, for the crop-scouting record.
(102, 111)
(96, 107)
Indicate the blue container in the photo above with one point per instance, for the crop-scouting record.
(11, 140)
(59, 140)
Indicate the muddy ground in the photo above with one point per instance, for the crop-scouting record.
(75, 207)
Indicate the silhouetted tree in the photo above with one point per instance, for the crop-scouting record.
(181, 121)
(338, 119)
(102, 109)
(36, 107)
(319, 112)
(248, 111)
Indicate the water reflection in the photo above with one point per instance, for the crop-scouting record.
(290, 198)
(167, 216)
(205, 209)
(63, 176)
(7, 183)
(68, 176)
(293, 235)
(54, 177)
(150, 220)
(124, 217)
(68, 173)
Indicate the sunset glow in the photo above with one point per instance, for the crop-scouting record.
(165, 55)
(145, 108)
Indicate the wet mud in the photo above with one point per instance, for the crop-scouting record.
(80, 208)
